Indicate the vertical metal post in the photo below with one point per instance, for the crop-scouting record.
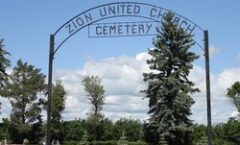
(51, 57)
(208, 94)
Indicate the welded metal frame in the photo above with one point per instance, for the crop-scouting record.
(53, 49)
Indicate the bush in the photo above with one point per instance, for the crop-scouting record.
(70, 142)
(137, 143)
(103, 143)
(111, 142)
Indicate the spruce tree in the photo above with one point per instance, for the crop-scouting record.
(162, 140)
(4, 63)
(169, 88)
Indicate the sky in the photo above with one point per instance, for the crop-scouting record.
(26, 25)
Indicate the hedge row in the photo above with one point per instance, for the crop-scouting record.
(102, 143)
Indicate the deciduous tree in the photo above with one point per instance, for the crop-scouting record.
(234, 94)
(58, 105)
(95, 93)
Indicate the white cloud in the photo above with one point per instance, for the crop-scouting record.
(122, 81)
(5, 107)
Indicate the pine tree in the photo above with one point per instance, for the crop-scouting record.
(169, 88)
(23, 88)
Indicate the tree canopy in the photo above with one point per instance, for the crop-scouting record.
(23, 88)
(94, 92)
(234, 94)
(4, 63)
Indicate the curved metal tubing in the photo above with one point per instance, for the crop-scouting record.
(141, 16)
(53, 51)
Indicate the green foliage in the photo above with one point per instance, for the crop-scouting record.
(3, 132)
(58, 105)
(70, 142)
(234, 94)
(199, 132)
(162, 140)
(131, 127)
(73, 130)
(95, 127)
(107, 130)
(169, 88)
(84, 140)
(151, 134)
(25, 142)
(203, 141)
(58, 101)
(228, 132)
(111, 142)
(123, 139)
(25, 83)
(100, 130)
(95, 93)
(4, 63)
(219, 141)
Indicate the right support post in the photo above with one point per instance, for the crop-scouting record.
(208, 91)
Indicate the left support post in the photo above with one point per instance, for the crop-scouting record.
(50, 68)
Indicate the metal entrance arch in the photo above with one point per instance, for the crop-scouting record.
(123, 9)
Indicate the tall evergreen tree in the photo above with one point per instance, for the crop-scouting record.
(25, 83)
(169, 88)
(4, 63)
(58, 105)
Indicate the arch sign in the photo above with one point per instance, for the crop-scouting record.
(152, 16)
